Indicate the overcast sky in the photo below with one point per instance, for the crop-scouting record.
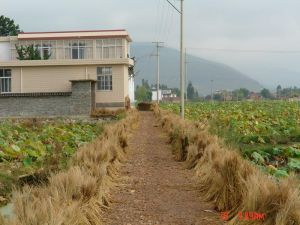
(213, 24)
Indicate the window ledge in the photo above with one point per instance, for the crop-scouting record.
(104, 90)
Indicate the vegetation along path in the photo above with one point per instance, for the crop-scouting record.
(155, 189)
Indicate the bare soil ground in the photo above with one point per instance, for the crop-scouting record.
(155, 189)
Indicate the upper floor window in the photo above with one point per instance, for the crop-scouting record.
(104, 78)
(5, 80)
(77, 49)
(106, 48)
(110, 48)
(44, 49)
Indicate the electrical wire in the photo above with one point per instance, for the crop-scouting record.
(161, 20)
(157, 20)
(165, 23)
(170, 26)
(276, 51)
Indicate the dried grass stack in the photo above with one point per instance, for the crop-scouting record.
(77, 196)
(106, 113)
(232, 183)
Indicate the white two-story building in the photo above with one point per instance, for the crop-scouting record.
(102, 56)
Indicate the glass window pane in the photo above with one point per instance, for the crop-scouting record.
(104, 78)
(6, 85)
(1, 72)
(112, 52)
(9, 85)
(81, 53)
(46, 44)
(81, 43)
(102, 83)
(74, 53)
(99, 43)
(119, 42)
(7, 73)
(109, 42)
(105, 52)
(119, 52)
(89, 43)
(46, 52)
(99, 70)
(2, 85)
(105, 70)
(74, 43)
(99, 52)
(68, 53)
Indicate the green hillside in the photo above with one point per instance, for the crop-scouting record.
(199, 71)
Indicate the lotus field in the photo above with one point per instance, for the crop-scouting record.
(266, 132)
(38, 147)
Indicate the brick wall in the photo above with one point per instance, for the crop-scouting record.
(79, 102)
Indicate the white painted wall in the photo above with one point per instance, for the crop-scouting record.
(154, 95)
(4, 51)
(131, 89)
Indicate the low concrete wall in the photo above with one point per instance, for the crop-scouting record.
(79, 102)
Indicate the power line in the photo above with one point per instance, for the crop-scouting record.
(168, 30)
(157, 21)
(143, 56)
(248, 50)
(161, 20)
(166, 22)
(182, 56)
(174, 6)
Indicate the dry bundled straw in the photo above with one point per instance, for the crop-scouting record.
(102, 113)
(78, 195)
(232, 183)
(280, 202)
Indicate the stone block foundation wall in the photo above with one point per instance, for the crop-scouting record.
(78, 102)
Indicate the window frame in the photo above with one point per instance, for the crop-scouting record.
(44, 46)
(105, 76)
(7, 78)
(78, 46)
(107, 48)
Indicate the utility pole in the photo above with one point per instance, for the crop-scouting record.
(182, 60)
(182, 77)
(186, 62)
(211, 91)
(186, 82)
(158, 46)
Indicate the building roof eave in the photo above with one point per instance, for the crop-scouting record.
(88, 34)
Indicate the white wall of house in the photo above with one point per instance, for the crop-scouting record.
(154, 95)
(131, 89)
(5, 51)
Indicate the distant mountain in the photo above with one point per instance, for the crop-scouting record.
(199, 71)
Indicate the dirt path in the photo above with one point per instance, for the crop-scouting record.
(156, 189)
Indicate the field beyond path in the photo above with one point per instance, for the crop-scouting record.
(155, 189)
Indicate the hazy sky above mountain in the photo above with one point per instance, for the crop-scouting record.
(214, 24)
